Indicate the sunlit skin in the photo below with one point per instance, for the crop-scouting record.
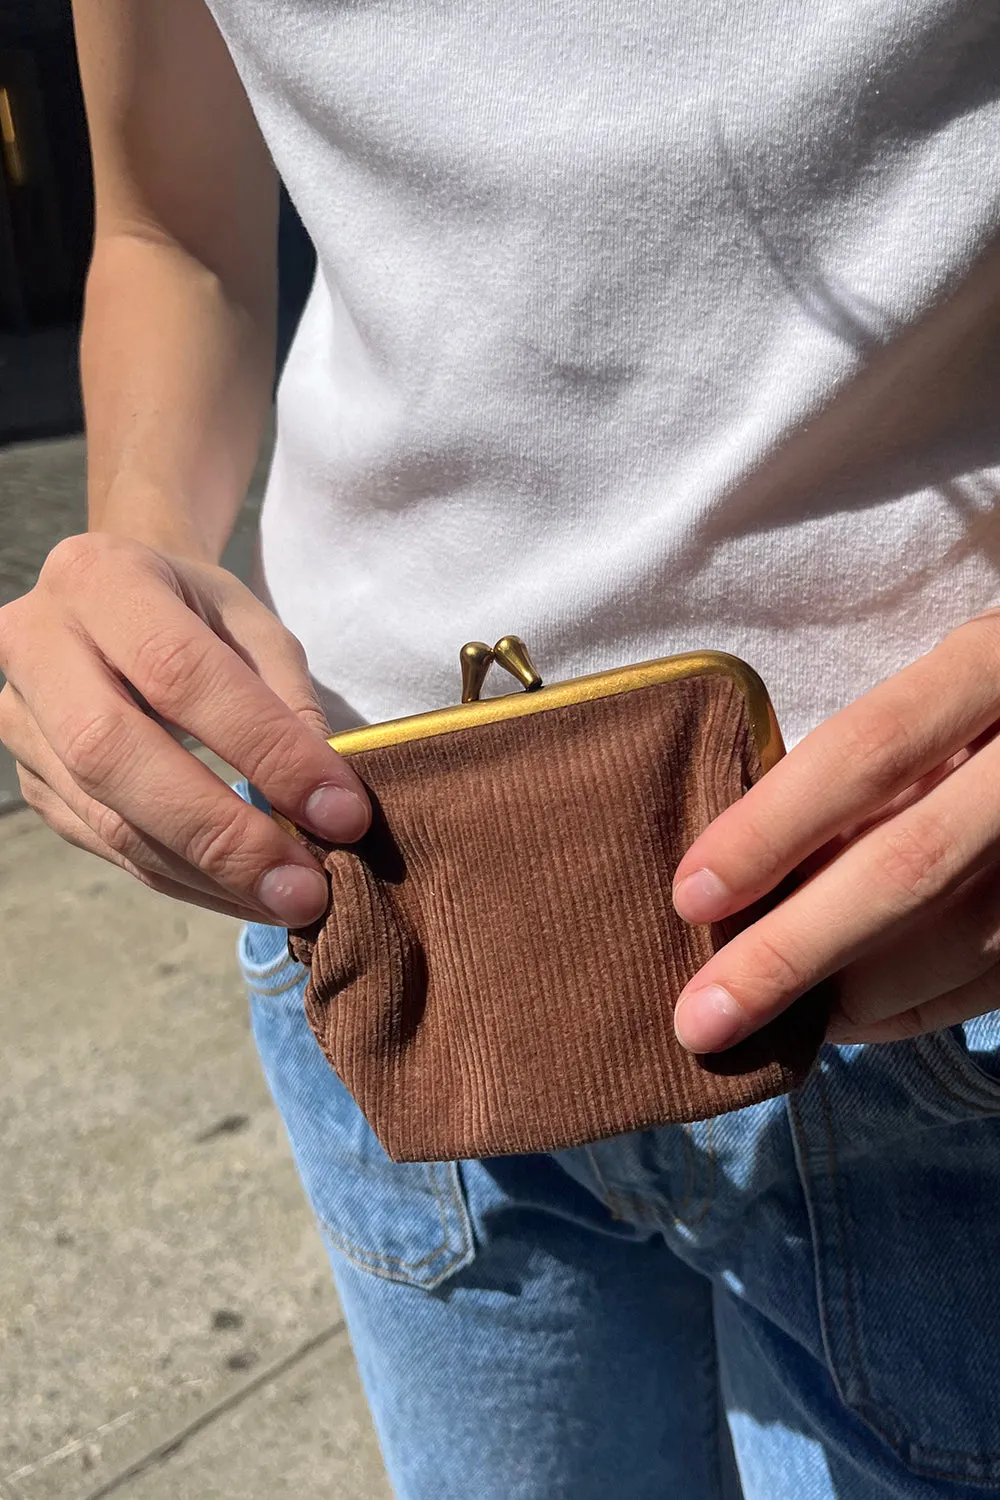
(893, 809)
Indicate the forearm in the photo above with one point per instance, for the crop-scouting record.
(177, 372)
(177, 376)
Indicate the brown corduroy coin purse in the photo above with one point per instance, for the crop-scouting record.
(499, 963)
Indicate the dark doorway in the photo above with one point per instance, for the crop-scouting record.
(46, 224)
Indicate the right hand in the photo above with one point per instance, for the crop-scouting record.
(113, 629)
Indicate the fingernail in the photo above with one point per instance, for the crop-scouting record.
(702, 897)
(708, 1020)
(336, 813)
(294, 893)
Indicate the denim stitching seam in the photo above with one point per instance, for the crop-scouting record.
(270, 991)
(386, 1271)
(615, 1204)
(461, 1211)
(262, 971)
(833, 1168)
(380, 1257)
(380, 1263)
(710, 1153)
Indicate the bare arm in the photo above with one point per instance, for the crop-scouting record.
(177, 366)
(178, 336)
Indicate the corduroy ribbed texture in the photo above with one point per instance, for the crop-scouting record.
(501, 957)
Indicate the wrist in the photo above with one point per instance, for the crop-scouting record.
(164, 523)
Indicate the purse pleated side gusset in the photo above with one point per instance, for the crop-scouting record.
(500, 960)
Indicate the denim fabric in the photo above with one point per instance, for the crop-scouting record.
(801, 1294)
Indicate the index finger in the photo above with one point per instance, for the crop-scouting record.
(866, 897)
(129, 774)
(200, 683)
(844, 772)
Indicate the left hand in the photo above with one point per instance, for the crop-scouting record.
(893, 808)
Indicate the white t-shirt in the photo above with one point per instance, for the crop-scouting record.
(637, 328)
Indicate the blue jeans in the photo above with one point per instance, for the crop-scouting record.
(799, 1298)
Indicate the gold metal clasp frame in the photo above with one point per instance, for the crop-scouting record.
(512, 655)
(510, 652)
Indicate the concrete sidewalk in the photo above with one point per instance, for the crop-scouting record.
(168, 1326)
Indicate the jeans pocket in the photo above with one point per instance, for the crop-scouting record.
(405, 1222)
(898, 1148)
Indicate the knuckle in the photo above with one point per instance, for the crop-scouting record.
(311, 716)
(293, 648)
(267, 633)
(14, 628)
(165, 664)
(82, 561)
(915, 857)
(283, 751)
(91, 747)
(774, 969)
(49, 807)
(878, 743)
(73, 561)
(117, 833)
(761, 833)
(222, 848)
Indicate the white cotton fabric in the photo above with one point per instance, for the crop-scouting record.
(638, 328)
